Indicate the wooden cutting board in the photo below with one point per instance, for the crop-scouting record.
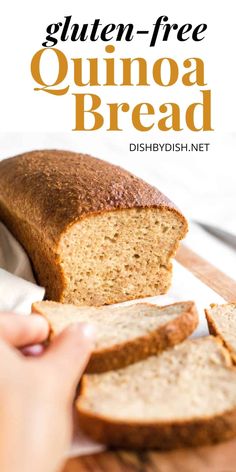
(219, 458)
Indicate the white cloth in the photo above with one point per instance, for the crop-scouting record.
(17, 294)
(18, 291)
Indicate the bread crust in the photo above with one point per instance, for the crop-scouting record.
(216, 332)
(44, 193)
(163, 436)
(139, 348)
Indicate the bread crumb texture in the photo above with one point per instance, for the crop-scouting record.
(118, 256)
(183, 375)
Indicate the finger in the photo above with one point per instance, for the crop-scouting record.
(7, 354)
(22, 331)
(68, 355)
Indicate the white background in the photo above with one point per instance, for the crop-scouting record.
(202, 184)
(23, 29)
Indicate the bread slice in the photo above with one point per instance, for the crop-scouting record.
(95, 233)
(186, 396)
(124, 334)
(221, 321)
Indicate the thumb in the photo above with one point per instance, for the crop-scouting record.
(68, 355)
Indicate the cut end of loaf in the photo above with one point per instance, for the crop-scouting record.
(120, 255)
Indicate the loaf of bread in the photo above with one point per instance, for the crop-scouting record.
(126, 334)
(95, 233)
(186, 396)
(221, 321)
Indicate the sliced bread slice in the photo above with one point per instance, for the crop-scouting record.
(186, 396)
(124, 334)
(221, 321)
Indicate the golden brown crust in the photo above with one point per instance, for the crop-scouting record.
(137, 349)
(159, 435)
(215, 332)
(39, 182)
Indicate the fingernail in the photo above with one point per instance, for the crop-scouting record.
(88, 330)
(34, 351)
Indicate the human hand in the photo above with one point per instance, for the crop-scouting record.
(36, 394)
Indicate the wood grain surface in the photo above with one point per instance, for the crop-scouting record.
(207, 273)
(219, 458)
